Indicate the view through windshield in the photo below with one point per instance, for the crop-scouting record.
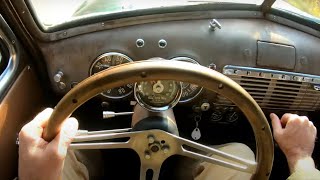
(305, 8)
(51, 13)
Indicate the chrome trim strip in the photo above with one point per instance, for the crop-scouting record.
(270, 74)
(7, 75)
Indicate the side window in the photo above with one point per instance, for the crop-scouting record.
(9, 57)
(8, 64)
(1, 63)
(3, 57)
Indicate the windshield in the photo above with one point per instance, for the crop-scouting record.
(51, 13)
(309, 9)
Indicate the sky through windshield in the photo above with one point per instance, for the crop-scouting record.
(51, 13)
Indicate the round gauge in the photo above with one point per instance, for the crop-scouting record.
(105, 61)
(189, 91)
(158, 95)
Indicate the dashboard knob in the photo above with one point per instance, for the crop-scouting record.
(213, 24)
(58, 76)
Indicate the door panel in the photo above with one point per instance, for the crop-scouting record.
(21, 97)
(23, 100)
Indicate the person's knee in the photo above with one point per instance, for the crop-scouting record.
(238, 149)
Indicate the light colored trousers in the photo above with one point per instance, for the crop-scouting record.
(74, 169)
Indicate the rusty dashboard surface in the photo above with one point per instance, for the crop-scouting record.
(252, 43)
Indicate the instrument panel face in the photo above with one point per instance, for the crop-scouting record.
(189, 91)
(106, 61)
(158, 95)
(147, 93)
(186, 40)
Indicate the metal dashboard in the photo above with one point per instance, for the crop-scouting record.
(253, 43)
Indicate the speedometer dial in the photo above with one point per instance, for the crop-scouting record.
(105, 61)
(157, 95)
(189, 91)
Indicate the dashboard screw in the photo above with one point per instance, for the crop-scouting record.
(147, 155)
(212, 66)
(165, 149)
(150, 139)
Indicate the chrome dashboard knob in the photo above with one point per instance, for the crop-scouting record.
(213, 24)
(58, 76)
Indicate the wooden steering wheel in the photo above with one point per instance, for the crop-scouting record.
(140, 140)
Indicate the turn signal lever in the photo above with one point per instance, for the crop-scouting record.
(111, 114)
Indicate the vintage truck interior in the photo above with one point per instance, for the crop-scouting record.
(152, 82)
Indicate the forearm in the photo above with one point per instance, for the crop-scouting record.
(300, 164)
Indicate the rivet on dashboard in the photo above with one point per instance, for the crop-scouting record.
(212, 66)
(74, 101)
(263, 128)
(220, 86)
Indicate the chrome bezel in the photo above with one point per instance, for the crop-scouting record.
(158, 109)
(111, 54)
(187, 59)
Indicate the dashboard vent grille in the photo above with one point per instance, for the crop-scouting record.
(276, 89)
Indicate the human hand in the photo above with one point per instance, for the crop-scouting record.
(296, 137)
(39, 159)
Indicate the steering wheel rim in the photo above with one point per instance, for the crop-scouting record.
(171, 70)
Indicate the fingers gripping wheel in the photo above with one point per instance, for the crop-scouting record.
(169, 70)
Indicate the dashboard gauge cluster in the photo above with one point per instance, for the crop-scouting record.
(189, 91)
(157, 95)
(105, 61)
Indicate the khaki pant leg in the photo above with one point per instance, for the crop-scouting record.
(216, 172)
(74, 169)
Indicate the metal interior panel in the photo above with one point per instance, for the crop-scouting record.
(276, 89)
(276, 55)
(192, 38)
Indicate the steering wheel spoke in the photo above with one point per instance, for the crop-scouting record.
(103, 140)
(204, 153)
